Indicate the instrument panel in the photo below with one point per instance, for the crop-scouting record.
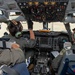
(50, 40)
(49, 11)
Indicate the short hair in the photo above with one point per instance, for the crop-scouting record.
(14, 28)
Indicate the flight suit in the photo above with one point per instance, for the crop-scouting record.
(11, 56)
(23, 42)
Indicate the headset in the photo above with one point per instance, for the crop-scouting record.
(17, 28)
(19, 33)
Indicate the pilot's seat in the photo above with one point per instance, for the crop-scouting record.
(17, 69)
(67, 66)
(58, 62)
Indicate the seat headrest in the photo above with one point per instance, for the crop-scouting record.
(67, 44)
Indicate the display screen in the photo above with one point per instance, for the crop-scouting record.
(44, 40)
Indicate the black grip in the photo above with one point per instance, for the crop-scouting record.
(30, 24)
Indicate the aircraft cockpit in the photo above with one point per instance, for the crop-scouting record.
(49, 44)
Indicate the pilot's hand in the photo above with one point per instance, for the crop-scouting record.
(14, 46)
(30, 24)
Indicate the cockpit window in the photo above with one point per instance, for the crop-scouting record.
(53, 26)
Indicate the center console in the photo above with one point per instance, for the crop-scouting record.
(42, 67)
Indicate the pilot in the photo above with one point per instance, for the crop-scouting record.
(15, 29)
(73, 35)
(56, 62)
(11, 58)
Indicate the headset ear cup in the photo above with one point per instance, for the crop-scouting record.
(18, 34)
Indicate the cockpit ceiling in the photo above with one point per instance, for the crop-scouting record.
(49, 11)
(39, 10)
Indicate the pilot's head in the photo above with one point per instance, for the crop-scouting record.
(14, 27)
(73, 30)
